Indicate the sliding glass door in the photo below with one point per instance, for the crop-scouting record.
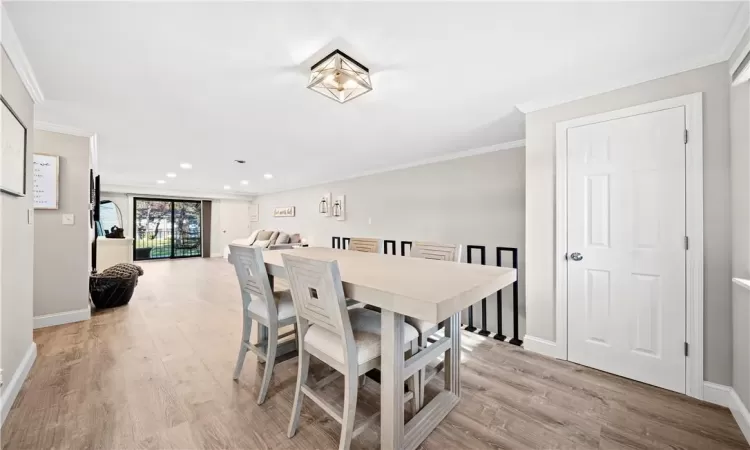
(166, 228)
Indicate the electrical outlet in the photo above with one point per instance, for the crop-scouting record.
(68, 219)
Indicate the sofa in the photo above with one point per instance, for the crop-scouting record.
(271, 239)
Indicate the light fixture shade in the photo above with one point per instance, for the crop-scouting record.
(339, 77)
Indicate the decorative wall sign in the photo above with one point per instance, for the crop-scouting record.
(12, 152)
(254, 213)
(46, 181)
(286, 211)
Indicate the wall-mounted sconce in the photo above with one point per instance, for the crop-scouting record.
(325, 206)
(339, 207)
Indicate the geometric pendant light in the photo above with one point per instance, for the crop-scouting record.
(339, 77)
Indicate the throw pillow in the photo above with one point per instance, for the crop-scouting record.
(283, 238)
(263, 235)
(253, 237)
(273, 237)
(295, 239)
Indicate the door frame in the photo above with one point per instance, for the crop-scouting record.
(172, 200)
(693, 104)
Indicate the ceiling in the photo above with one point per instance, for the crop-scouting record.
(208, 83)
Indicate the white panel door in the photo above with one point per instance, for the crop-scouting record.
(626, 220)
(234, 220)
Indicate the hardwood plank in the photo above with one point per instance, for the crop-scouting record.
(157, 374)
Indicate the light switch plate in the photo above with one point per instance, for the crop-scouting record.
(68, 219)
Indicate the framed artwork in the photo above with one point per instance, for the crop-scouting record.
(285, 211)
(46, 181)
(12, 152)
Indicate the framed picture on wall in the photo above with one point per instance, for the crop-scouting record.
(12, 152)
(46, 181)
(284, 211)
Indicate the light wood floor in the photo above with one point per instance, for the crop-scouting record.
(158, 374)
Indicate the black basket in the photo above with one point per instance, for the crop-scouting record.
(115, 288)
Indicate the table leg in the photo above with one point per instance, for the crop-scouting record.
(392, 381)
(453, 356)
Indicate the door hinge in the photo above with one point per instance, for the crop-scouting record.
(687, 243)
(686, 348)
(686, 136)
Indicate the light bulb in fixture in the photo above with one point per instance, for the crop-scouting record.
(244, 182)
(186, 166)
(160, 181)
(227, 187)
(267, 176)
(171, 174)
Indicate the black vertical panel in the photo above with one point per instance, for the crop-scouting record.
(385, 247)
(345, 243)
(516, 340)
(403, 247)
(471, 326)
(500, 336)
(335, 242)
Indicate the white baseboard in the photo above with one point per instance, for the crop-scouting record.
(50, 320)
(740, 413)
(717, 394)
(727, 396)
(11, 390)
(542, 346)
(216, 255)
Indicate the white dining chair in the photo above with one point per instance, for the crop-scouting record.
(346, 340)
(441, 252)
(273, 310)
(367, 245)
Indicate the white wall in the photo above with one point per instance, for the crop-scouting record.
(713, 81)
(62, 288)
(16, 248)
(739, 128)
(477, 200)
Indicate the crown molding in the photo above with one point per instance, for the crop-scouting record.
(64, 129)
(422, 162)
(736, 30)
(17, 56)
(151, 191)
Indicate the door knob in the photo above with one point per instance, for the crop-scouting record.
(576, 256)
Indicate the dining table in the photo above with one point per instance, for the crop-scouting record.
(400, 287)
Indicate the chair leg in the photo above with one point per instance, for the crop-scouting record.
(303, 364)
(414, 382)
(422, 340)
(350, 408)
(362, 380)
(273, 337)
(247, 326)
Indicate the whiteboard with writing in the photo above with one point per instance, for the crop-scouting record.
(46, 172)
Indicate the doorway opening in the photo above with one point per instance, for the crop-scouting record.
(166, 228)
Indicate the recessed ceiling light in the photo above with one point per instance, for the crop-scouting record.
(186, 166)
(245, 182)
(227, 187)
(160, 181)
(267, 176)
(171, 174)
